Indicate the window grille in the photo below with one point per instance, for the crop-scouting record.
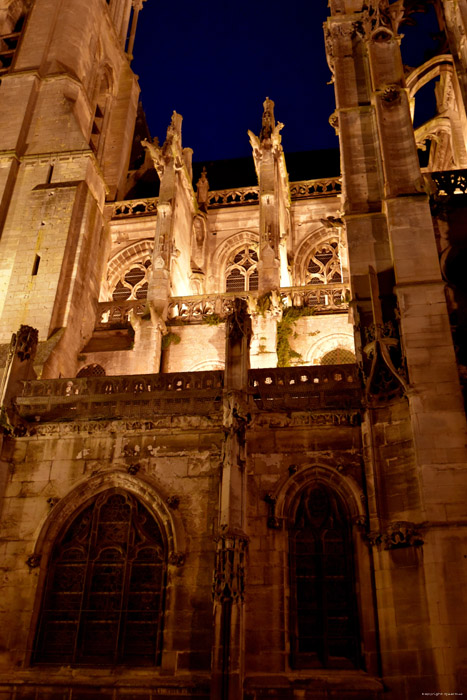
(133, 282)
(338, 356)
(324, 266)
(93, 370)
(242, 272)
(324, 632)
(103, 598)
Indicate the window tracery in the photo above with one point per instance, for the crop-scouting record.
(241, 273)
(133, 282)
(103, 598)
(324, 266)
(324, 631)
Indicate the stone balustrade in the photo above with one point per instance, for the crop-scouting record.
(113, 315)
(242, 195)
(448, 182)
(299, 388)
(307, 189)
(193, 393)
(324, 298)
(135, 207)
(138, 396)
(304, 189)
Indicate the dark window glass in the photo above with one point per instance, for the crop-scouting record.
(324, 612)
(103, 596)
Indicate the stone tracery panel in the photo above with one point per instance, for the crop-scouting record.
(227, 251)
(241, 274)
(321, 259)
(128, 272)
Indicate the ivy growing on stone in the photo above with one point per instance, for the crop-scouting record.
(285, 328)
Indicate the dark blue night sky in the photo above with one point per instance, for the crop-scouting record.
(216, 62)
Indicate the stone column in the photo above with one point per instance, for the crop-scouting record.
(227, 670)
(415, 429)
(455, 20)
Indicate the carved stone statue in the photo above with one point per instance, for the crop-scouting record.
(268, 122)
(202, 191)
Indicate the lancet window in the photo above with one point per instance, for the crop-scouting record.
(324, 631)
(9, 39)
(242, 271)
(133, 282)
(324, 266)
(104, 592)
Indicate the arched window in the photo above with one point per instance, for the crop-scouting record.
(133, 283)
(324, 266)
(103, 598)
(324, 630)
(241, 274)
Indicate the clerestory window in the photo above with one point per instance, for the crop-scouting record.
(324, 629)
(104, 593)
(242, 271)
(324, 266)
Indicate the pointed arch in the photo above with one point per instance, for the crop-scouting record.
(105, 586)
(137, 254)
(222, 254)
(328, 244)
(319, 508)
(154, 546)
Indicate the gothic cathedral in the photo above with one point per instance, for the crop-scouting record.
(233, 433)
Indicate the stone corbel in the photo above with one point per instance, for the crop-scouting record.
(397, 535)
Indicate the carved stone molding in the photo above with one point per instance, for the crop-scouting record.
(25, 342)
(397, 535)
(173, 502)
(391, 94)
(133, 469)
(33, 560)
(334, 121)
(113, 427)
(176, 559)
(283, 420)
(228, 583)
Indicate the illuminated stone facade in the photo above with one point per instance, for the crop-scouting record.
(233, 432)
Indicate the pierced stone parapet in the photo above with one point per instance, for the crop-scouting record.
(324, 298)
(242, 195)
(138, 396)
(298, 388)
(116, 315)
(135, 207)
(449, 182)
(308, 189)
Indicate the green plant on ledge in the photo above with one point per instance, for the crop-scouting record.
(263, 303)
(213, 319)
(170, 338)
(285, 352)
